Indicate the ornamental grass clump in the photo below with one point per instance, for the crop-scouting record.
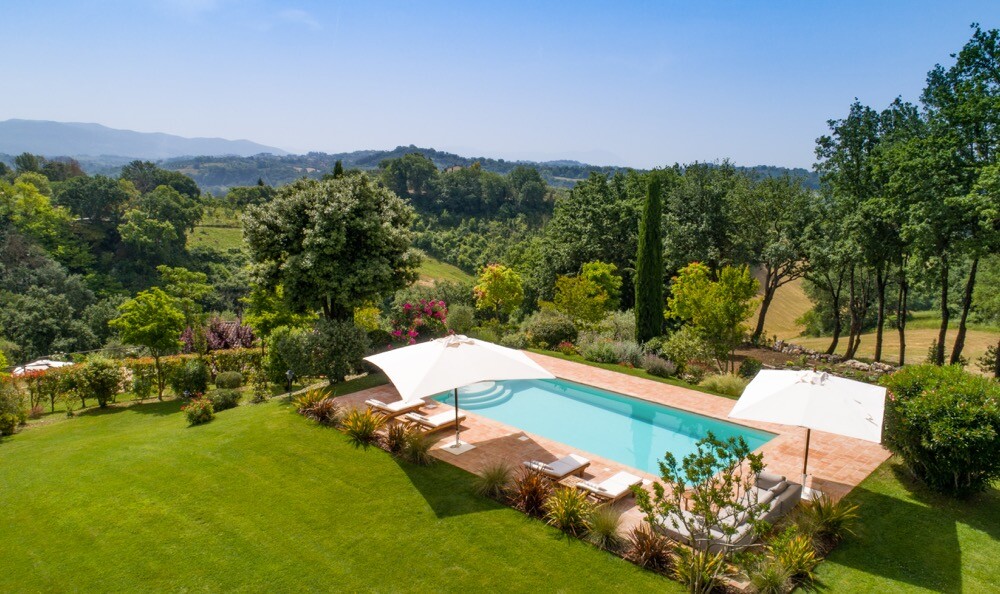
(304, 401)
(493, 480)
(198, 411)
(725, 383)
(395, 438)
(794, 552)
(604, 529)
(826, 521)
(326, 412)
(700, 571)
(649, 549)
(418, 447)
(530, 491)
(362, 426)
(568, 510)
(769, 576)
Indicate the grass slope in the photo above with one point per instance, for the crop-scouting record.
(432, 269)
(912, 540)
(789, 304)
(130, 499)
(220, 238)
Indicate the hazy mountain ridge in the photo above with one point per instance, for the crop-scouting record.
(227, 163)
(74, 139)
(215, 174)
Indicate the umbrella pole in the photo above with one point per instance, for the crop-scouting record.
(805, 461)
(457, 430)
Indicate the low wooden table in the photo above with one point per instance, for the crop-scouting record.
(571, 481)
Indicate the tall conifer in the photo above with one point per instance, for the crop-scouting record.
(649, 267)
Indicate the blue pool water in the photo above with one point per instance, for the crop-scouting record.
(624, 429)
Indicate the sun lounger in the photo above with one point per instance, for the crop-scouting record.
(611, 489)
(560, 469)
(442, 420)
(393, 409)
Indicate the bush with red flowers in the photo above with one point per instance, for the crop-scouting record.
(199, 410)
(422, 320)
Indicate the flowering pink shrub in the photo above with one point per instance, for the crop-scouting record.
(422, 320)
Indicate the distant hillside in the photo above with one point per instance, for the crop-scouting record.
(216, 174)
(53, 139)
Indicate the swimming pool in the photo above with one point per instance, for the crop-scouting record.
(621, 428)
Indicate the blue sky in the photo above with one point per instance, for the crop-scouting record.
(631, 83)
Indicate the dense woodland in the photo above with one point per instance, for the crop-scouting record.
(905, 218)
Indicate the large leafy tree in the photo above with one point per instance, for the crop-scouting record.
(770, 219)
(151, 319)
(698, 225)
(156, 224)
(188, 288)
(963, 104)
(846, 166)
(649, 267)
(333, 245)
(94, 199)
(30, 210)
(598, 220)
(499, 290)
(716, 309)
(146, 177)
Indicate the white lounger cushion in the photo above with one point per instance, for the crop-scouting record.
(613, 486)
(396, 406)
(560, 467)
(437, 420)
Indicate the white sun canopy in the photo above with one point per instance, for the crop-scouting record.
(39, 365)
(814, 400)
(452, 362)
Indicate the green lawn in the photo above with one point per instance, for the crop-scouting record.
(131, 499)
(911, 540)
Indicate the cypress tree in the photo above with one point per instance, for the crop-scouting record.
(649, 267)
(338, 169)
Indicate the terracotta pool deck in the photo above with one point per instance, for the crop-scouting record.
(836, 464)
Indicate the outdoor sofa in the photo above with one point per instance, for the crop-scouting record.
(775, 495)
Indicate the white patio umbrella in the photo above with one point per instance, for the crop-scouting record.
(449, 363)
(814, 400)
(39, 365)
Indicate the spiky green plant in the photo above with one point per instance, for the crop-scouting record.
(569, 510)
(530, 491)
(362, 426)
(700, 571)
(649, 549)
(395, 438)
(825, 520)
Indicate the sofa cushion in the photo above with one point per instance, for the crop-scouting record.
(779, 488)
(766, 480)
